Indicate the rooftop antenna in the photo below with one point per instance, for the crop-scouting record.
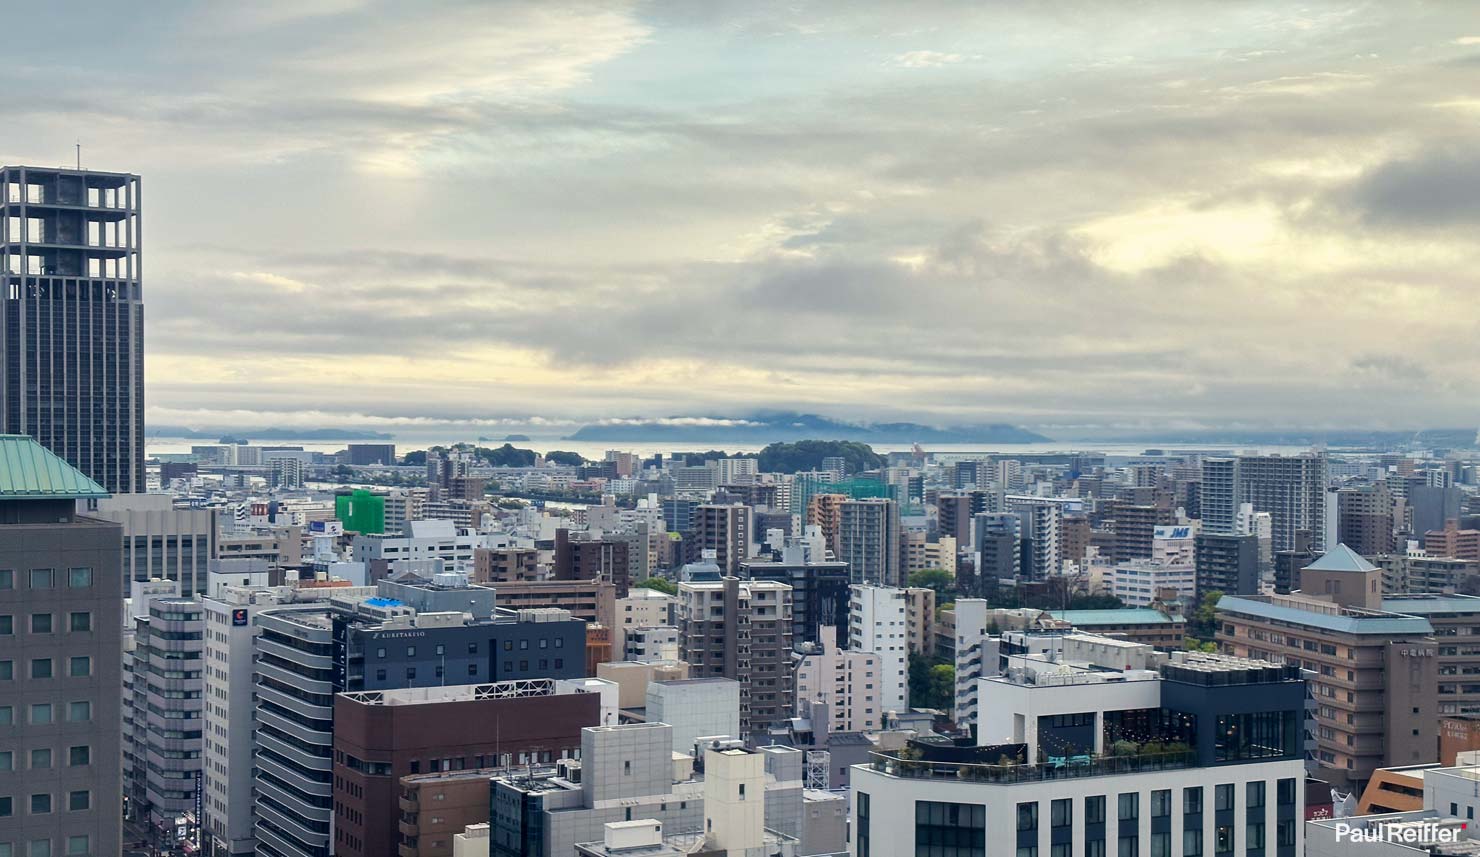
(79, 155)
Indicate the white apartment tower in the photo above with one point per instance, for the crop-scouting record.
(878, 622)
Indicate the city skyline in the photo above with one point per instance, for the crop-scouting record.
(1064, 219)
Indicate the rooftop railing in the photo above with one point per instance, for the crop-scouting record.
(1068, 767)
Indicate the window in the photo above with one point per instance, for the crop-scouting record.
(380, 653)
(81, 621)
(441, 649)
(40, 623)
(41, 578)
(1223, 839)
(380, 674)
(79, 667)
(79, 755)
(79, 578)
(863, 831)
(7, 809)
(1223, 797)
(77, 845)
(1027, 817)
(7, 715)
(1254, 836)
(472, 669)
(472, 648)
(41, 759)
(410, 673)
(39, 848)
(7, 578)
(1285, 792)
(1161, 844)
(1255, 794)
(79, 712)
(7, 760)
(41, 712)
(950, 829)
(7, 670)
(1129, 806)
(1094, 810)
(410, 651)
(40, 804)
(1192, 841)
(1161, 803)
(1192, 800)
(1061, 813)
(7, 625)
(41, 668)
(1285, 833)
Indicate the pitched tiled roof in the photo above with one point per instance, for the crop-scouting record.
(30, 470)
(1341, 558)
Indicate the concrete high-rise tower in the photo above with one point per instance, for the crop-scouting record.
(72, 319)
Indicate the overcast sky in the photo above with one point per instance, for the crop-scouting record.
(1053, 214)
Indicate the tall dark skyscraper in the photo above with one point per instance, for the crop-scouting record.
(72, 319)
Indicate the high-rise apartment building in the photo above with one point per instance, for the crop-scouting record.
(741, 629)
(167, 713)
(1291, 488)
(1364, 519)
(61, 629)
(878, 622)
(869, 541)
(72, 319)
(1218, 496)
(724, 529)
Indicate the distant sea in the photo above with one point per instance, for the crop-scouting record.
(596, 450)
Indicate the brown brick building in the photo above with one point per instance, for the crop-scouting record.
(382, 736)
(501, 565)
(584, 558)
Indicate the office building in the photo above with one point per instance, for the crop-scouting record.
(61, 635)
(229, 681)
(741, 629)
(382, 736)
(167, 664)
(587, 600)
(878, 622)
(1201, 754)
(869, 541)
(1157, 628)
(360, 511)
(161, 541)
(72, 357)
(1138, 583)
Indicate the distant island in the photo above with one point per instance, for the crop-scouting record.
(238, 435)
(516, 438)
(770, 428)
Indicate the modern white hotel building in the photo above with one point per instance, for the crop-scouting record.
(1106, 748)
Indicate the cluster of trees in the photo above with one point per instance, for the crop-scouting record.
(1203, 623)
(658, 584)
(507, 455)
(808, 455)
(932, 685)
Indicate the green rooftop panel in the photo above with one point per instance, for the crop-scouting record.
(30, 470)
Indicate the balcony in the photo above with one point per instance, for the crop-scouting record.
(1098, 766)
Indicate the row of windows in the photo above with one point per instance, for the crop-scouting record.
(77, 846)
(44, 712)
(79, 666)
(43, 623)
(41, 803)
(45, 578)
(41, 758)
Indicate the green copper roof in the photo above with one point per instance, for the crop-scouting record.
(1341, 558)
(28, 469)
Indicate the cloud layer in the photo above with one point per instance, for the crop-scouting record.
(1074, 215)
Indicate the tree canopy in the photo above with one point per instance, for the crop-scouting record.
(506, 456)
(569, 459)
(808, 455)
(658, 584)
(942, 581)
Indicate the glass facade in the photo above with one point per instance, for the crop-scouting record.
(950, 829)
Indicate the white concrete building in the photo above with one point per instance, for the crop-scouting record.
(695, 708)
(424, 540)
(643, 608)
(651, 643)
(849, 683)
(160, 540)
(878, 622)
(1137, 581)
(1081, 762)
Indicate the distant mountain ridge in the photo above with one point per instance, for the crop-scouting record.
(770, 428)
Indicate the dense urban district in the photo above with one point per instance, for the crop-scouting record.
(477, 650)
